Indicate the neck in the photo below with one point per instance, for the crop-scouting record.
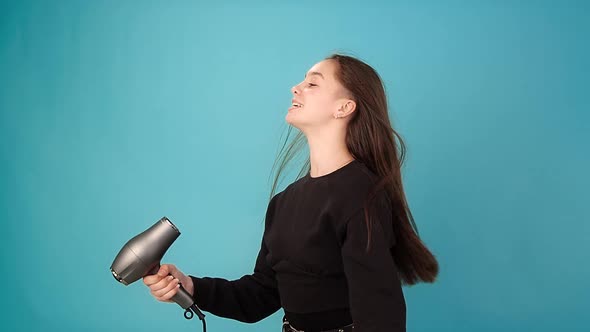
(327, 151)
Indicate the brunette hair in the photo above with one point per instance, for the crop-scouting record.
(371, 139)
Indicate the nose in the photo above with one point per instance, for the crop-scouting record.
(295, 90)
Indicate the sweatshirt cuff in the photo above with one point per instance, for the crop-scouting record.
(201, 291)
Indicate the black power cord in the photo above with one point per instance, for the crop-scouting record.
(188, 314)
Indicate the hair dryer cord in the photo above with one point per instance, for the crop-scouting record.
(188, 314)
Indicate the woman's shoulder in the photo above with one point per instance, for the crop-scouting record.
(357, 179)
(350, 183)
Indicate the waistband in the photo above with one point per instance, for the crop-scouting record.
(288, 328)
(318, 320)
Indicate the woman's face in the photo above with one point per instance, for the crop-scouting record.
(317, 99)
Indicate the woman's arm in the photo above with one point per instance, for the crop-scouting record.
(249, 299)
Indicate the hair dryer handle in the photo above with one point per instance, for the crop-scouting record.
(183, 298)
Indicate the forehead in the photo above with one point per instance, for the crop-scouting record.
(323, 69)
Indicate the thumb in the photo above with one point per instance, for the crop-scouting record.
(175, 272)
(164, 270)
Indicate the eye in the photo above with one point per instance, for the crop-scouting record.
(311, 84)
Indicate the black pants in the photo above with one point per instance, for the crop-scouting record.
(288, 328)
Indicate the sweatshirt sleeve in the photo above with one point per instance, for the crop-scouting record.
(376, 299)
(248, 299)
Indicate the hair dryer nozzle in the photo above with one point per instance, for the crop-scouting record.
(116, 276)
(141, 255)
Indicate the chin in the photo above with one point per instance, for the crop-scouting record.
(293, 122)
(289, 120)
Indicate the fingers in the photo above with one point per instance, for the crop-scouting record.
(151, 279)
(164, 289)
(168, 296)
(168, 291)
(164, 271)
(165, 283)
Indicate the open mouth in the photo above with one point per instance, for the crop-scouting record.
(295, 106)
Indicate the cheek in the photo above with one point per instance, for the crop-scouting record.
(319, 101)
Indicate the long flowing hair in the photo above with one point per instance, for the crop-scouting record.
(371, 139)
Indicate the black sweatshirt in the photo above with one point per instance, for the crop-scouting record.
(312, 260)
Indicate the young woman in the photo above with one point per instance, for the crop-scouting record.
(340, 241)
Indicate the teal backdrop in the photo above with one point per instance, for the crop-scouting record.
(116, 113)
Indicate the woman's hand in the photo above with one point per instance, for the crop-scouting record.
(164, 284)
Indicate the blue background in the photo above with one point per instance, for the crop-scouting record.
(114, 114)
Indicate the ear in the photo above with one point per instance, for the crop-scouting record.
(346, 108)
(349, 106)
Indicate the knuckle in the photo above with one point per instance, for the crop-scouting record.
(165, 288)
(170, 294)
(162, 283)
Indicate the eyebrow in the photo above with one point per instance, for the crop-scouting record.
(315, 73)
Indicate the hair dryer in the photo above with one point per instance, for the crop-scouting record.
(141, 256)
